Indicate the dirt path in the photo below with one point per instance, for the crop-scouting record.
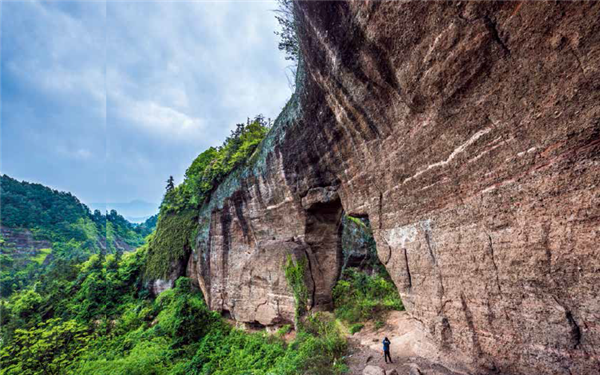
(412, 351)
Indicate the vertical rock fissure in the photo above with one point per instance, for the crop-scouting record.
(409, 277)
(225, 232)
(313, 291)
(470, 324)
(380, 210)
(429, 247)
(493, 29)
(575, 330)
(491, 249)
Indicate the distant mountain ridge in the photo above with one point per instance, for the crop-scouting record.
(135, 211)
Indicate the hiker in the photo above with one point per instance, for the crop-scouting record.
(386, 350)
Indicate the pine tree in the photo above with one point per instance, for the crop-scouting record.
(170, 184)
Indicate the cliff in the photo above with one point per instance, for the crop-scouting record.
(468, 133)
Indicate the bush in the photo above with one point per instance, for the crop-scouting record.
(47, 348)
(283, 330)
(321, 345)
(317, 349)
(146, 358)
(185, 317)
(359, 297)
(356, 328)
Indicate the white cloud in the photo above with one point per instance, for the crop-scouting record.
(61, 55)
(191, 71)
(164, 120)
(83, 153)
(68, 151)
(141, 86)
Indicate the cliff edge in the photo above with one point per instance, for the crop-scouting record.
(468, 133)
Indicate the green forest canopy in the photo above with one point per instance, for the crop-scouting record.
(74, 233)
(56, 215)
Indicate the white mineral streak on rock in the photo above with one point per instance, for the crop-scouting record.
(399, 236)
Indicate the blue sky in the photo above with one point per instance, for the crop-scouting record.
(107, 99)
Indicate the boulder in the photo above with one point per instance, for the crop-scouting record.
(373, 370)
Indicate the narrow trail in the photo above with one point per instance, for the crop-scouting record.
(411, 350)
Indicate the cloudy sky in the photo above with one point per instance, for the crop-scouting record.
(107, 99)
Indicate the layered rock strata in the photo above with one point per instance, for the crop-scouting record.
(469, 135)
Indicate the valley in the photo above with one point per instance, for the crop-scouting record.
(434, 178)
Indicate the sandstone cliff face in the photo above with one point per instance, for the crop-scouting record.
(469, 135)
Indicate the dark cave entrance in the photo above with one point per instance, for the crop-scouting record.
(324, 239)
(343, 248)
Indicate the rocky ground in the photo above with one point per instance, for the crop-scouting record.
(412, 351)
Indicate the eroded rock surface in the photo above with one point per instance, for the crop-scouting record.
(21, 242)
(373, 370)
(469, 134)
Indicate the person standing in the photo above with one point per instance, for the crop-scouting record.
(386, 350)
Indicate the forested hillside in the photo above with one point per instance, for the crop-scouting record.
(91, 310)
(41, 226)
(98, 316)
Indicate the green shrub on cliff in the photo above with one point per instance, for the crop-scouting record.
(288, 41)
(177, 221)
(172, 241)
(294, 275)
(213, 165)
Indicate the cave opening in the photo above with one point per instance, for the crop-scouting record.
(364, 291)
(324, 253)
(359, 250)
(345, 274)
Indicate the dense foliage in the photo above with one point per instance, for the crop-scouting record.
(57, 216)
(47, 326)
(95, 318)
(71, 231)
(214, 164)
(359, 297)
(28, 205)
(172, 241)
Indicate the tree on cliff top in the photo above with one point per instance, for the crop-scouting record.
(289, 39)
(170, 184)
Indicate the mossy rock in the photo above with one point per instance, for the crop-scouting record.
(172, 243)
